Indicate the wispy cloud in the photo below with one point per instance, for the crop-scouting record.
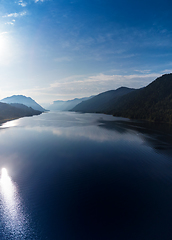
(21, 3)
(36, 1)
(15, 15)
(143, 71)
(2, 33)
(80, 86)
(167, 71)
(9, 23)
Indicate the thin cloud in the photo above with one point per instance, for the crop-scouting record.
(84, 86)
(36, 1)
(2, 33)
(11, 15)
(15, 15)
(9, 23)
(167, 71)
(143, 71)
(21, 3)
(79, 86)
(104, 79)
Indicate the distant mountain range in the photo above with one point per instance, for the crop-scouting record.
(152, 103)
(66, 105)
(29, 102)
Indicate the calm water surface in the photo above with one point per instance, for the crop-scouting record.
(71, 176)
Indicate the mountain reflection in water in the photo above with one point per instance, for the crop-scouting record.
(157, 136)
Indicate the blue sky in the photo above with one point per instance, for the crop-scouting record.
(62, 49)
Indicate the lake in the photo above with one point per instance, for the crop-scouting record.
(71, 176)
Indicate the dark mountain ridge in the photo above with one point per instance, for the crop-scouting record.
(102, 101)
(28, 111)
(9, 112)
(151, 103)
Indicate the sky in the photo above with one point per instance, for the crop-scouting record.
(62, 49)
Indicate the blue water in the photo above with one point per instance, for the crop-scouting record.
(77, 176)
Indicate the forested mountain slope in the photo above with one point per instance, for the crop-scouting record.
(102, 101)
(152, 103)
(9, 112)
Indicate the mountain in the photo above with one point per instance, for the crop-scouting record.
(151, 103)
(28, 111)
(29, 102)
(9, 112)
(102, 101)
(66, 105)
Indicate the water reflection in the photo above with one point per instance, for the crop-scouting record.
(12, 123)
(85, 177)
(14, 221)
(156, 136)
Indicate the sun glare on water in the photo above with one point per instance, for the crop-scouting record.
(9, 124)
(7, 187)
(12, 216)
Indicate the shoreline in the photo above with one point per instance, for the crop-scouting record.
(15, 118)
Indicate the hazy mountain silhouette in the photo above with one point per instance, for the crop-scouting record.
(152, 103)
(29, 102)
(66, 105)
